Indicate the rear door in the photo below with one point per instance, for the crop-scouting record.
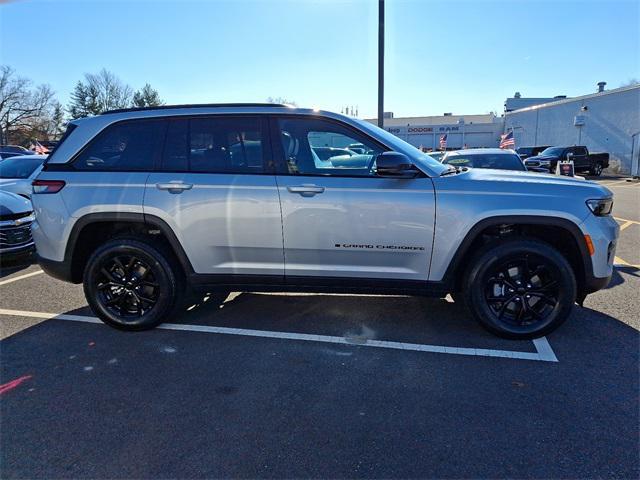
(339, 218)
(216, 189)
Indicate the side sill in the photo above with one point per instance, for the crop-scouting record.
(277, 283)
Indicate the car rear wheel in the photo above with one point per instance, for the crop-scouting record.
(520, 289)
(596, 170)
(130, 284)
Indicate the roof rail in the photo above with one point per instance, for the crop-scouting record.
(194, 105)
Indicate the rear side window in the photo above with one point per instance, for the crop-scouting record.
(214, 145)
(127, 146)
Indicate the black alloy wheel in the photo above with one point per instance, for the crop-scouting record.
(523, 290)
(132, 283)
(520, 288)
(127, 286)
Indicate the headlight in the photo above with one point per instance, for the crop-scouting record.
(601, 207)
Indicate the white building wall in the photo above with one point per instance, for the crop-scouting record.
(611, 124)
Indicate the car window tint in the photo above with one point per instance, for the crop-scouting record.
(313, 146)
(226, 145)
(18, 167)
(175, 156)
(123, 146)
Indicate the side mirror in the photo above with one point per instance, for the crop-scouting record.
(394, 164)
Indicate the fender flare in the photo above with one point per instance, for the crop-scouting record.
(474, 232)
(151, 221)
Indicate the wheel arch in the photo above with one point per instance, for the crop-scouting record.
(91, 230)
(561, 233)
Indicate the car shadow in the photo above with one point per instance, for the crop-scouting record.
(8, 267)
(392, 318)
(618, 279)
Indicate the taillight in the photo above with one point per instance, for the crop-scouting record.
(47, 186)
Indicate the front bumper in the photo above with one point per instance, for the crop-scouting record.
(59, 270)
(604, 232)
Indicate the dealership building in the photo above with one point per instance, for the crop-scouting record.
(604, 121)
(471, 130)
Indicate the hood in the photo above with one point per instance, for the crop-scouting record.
(543, 157)
(543, 183)
(11, 204)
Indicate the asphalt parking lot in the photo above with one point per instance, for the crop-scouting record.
(273, 385)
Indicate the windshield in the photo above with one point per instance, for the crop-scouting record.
(19, 167)
(555, 151)
(498, 161)
(401, 146)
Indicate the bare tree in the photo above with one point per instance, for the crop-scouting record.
(281, 100)
(22, 106)
(97, 93)
(630, 82)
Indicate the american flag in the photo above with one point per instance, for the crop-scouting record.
(443, 142)
(39, 148)
(507, 140)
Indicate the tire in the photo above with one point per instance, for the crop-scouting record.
(520, 289)
(131, 284)
(596, 169)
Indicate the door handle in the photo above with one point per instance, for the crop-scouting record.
(174, 187)
(306, 190)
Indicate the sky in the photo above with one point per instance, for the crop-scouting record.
(463, 57)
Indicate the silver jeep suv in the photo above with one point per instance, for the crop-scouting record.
(141, 205)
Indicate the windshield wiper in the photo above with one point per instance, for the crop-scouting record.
(454, 170)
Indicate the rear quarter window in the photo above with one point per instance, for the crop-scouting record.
(125, 146)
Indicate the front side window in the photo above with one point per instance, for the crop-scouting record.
(313, 146)
(124, 146)
(214, 145)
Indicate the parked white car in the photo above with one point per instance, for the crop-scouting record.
(17, 173)
(495, 158)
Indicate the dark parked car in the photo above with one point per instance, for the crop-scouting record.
(16, 216)
(583, 161)
(526, 152)
(17, 149)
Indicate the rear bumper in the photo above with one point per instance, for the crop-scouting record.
(59, 270)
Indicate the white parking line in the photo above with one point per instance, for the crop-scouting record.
(544, 353)
(15, 279)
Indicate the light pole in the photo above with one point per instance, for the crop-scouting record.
(380, 63)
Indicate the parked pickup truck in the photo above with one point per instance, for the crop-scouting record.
(583, 161)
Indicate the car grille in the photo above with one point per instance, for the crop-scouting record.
(532, 163)
(15, 236)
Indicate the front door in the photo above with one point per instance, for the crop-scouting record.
(215, 190)
(339, 218)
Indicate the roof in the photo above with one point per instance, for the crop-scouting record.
(515, 103)
(194, 105)
(563, 101)
(436, 120)
(480, 151)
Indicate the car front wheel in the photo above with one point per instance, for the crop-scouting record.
(520, 289)
(130, 284)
